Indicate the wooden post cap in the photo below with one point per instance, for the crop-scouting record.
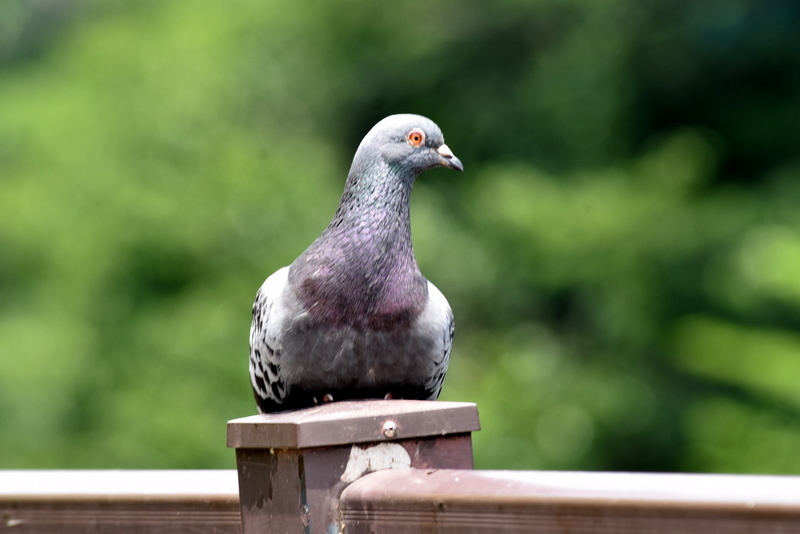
(293, 465)
(348, 422)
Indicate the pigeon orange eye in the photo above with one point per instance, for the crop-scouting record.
(415, 137)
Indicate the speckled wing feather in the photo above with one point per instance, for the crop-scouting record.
(266, 347)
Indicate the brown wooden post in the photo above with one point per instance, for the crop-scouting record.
(293, 465)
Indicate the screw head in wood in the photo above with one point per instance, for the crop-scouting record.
(390, 429)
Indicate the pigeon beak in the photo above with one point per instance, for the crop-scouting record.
(449, 159)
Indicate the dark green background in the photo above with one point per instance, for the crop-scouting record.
(622, 252)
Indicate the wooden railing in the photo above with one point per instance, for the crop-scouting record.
(386, 467)
(451, 501)
(119, 502)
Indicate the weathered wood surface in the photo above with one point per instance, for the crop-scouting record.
(350, 422)
(386, 467)
(466, 501)
(293, 465)
(410, 501)
(119, 502)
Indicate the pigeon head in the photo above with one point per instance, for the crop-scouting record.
(361, 270)
(410, 144)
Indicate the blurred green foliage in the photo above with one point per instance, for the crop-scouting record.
(622, 252)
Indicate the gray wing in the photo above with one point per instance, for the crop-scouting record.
(266, 345)
(439, 319)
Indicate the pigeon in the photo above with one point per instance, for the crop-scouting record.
(353, 317)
